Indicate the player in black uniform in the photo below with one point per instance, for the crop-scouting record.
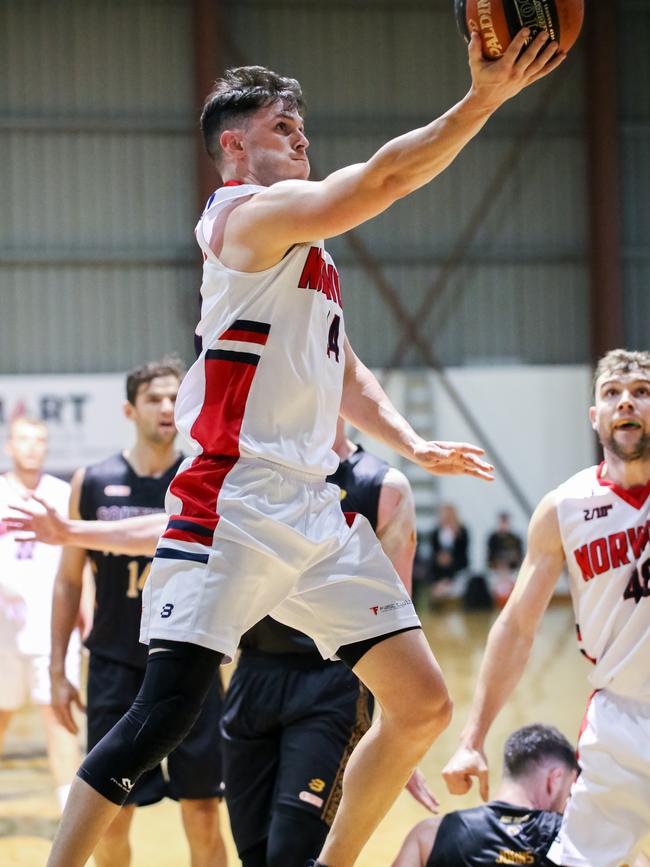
(518, 827)
(292, 719)
(127, 485)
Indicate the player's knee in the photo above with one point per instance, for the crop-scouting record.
(201, 820)
(164, 724)
(435, 714)
(426, 718)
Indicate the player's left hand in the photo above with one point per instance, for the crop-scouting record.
(37, 525)
(417, 787)
(452, 459)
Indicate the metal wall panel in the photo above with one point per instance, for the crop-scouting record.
(634, 33)
(96, 58)
(97, 178)
(97, 166)
(374, 69)
(94, 319)
(495, 314)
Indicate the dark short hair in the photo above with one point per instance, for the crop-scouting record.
(170, 365)
(532, 745)
(621, 361)
(240, 92)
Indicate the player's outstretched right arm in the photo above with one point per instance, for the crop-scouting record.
(508, 647)
(295, 211)
(65, 616)
(136, 537)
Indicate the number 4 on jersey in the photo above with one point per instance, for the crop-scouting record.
(639, 586)
(333, 337)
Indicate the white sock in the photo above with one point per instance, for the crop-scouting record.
(62, 793)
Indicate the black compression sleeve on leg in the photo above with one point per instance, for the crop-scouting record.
(255, 856)
(350, 654)
(176, 682)
(294, 837)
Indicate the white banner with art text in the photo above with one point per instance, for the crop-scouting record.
(83, 413)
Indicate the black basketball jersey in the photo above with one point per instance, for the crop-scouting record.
(360, 478)
(112, 490)
(496, 833)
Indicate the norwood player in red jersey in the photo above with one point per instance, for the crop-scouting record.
(597, 523)
(254, 527)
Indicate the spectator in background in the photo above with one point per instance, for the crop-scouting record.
(27, 571)
(504, 556)
(449, 559)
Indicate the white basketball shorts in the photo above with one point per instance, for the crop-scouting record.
(608, 814)
(247, 538)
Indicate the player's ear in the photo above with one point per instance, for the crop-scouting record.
(129, 409)
(592, 416)
(231, 142)
(554, 781)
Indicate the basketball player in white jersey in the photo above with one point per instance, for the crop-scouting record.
(254, 528)
(27, 572)
(597, 524)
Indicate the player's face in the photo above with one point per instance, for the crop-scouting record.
(621, 415)
(275, 145)
(27, 446)
(153, 412)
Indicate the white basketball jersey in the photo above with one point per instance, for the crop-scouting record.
(605, 531)
(27, 572)
(269, 378)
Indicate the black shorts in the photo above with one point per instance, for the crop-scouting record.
(289, 726)
(193, 769)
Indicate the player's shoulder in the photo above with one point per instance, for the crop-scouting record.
(108, 468)
(229, 193)
(367, 462)
(50, 484)
(584, 483)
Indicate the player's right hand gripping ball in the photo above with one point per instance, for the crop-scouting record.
(499, 20)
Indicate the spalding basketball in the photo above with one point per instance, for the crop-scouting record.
(499, 20)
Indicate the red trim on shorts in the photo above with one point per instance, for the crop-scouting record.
(198, 488)
(583, 724)
(233, 184)
(635, 496)
(218, 424)
(349, 517)
(183, 532)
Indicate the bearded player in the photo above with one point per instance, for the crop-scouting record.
(597, 524)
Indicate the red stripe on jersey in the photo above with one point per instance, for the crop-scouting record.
(635, 496)
(247, 336)
(218, 424)
(198, 488)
